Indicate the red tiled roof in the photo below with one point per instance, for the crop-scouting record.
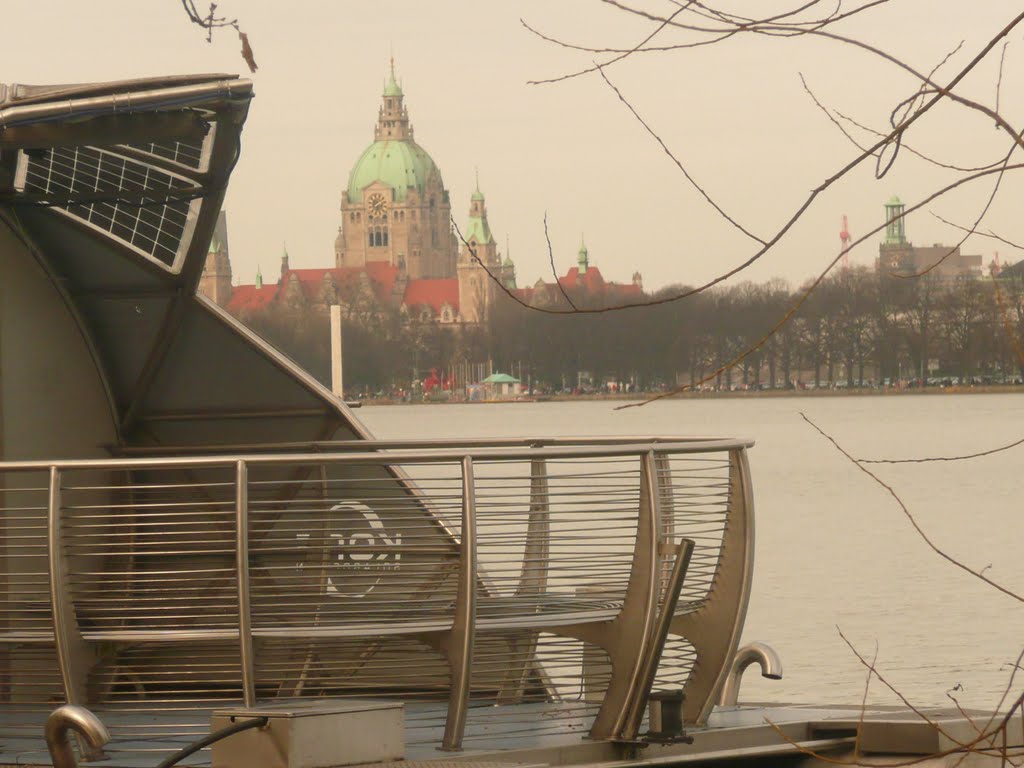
(591, 284)
(433, 293)
(524, 294)
(593, 280)
(249, 297)
(381, 275)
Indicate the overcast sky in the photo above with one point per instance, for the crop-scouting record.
(735, 114)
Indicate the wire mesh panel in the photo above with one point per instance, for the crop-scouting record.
(25, 606)
(556, 684)
(141, 205)
(151, 558)
(190, 153)
(30, 680)
(345, 551)
(695, 495)
(559, 537)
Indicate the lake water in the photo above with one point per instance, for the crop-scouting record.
(834, 550)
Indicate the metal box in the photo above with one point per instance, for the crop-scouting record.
(312, 735)
(665, 714)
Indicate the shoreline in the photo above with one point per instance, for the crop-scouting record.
(980, 389)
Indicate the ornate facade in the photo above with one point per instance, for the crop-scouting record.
(396, 248)
(395, 208)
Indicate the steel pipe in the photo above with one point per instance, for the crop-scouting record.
(453, 454)
(84, 723)
(463, 632)
(242, 579)
(765, 655)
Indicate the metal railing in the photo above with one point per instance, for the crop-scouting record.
(545, 573)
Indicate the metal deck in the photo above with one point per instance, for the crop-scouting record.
(500, 738)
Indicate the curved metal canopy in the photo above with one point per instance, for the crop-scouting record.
(115, 190)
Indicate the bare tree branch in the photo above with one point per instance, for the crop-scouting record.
(551, 258)
(977, 455)
(678, 164)
(913, 521)
(212, 21)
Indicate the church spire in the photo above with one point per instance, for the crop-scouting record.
(478, 214)
(393, 118)
(478, 232)
(392, 88)
(582, 258)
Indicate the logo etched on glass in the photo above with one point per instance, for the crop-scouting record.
(360, 550)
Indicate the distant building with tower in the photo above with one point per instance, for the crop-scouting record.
(584, 281)
(396, 247)
(898, 256)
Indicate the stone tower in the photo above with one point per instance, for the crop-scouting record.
(476, 288)
(895, 252)
(395, 208)
(215, 282)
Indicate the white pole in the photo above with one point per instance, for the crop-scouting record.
(336, 380)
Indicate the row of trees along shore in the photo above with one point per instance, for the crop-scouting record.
(859, 328)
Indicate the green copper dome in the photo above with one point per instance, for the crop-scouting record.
(400, 164)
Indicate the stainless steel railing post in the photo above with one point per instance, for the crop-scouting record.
(667, 534)
(533, 576)
(714, 629)
(242, 575)
(68, 645)
(463, 634)
(533, 579)
(630, 635)
(58, 589)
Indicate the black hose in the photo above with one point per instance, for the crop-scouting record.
(223, 733)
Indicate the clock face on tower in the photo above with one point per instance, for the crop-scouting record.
(377, 204)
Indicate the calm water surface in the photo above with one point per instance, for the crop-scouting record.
(834, 551)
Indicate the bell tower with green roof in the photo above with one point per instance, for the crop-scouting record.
(895, 232)
(476, 287)
(895, 253)
(395, 208)
(393, 118)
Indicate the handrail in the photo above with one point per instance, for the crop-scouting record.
(630, 627)
(455, 453)
(423, 444)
